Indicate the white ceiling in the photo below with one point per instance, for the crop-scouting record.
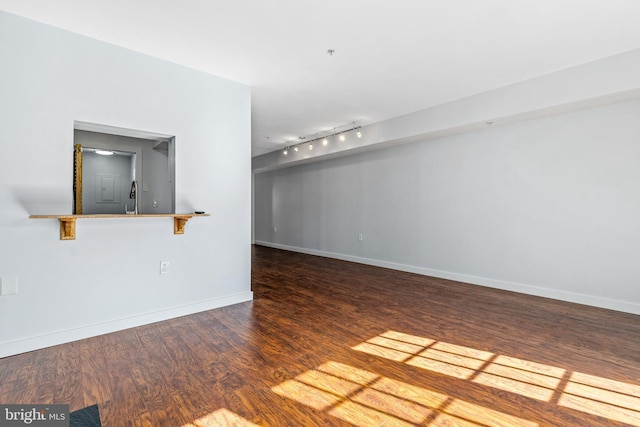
(391, 57)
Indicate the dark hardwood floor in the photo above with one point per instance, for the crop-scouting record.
(332, 343)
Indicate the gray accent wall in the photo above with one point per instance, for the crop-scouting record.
(546, 206)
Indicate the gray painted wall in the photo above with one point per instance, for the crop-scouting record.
(547, 207)
(108, 278)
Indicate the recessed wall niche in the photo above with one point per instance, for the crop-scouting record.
(118, 171)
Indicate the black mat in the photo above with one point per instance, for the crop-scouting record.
(86, 417)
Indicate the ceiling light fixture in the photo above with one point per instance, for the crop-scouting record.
(325, 139)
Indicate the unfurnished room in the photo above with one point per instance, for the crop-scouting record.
(305, 213)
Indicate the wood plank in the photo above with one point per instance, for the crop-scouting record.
(119, 216)
(93, 367)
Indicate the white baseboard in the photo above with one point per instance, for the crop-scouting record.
(595, 301)
(60, 337)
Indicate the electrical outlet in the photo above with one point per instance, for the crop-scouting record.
(9, 286)
(360, 237)
(164, 267)
(275, 228)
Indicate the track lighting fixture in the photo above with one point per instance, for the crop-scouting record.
(324, 139)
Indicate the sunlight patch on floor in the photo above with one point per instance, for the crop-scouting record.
(382, 351)
(595, 395)
(221, 418)
(603, 397)
(364, 399)
(449, 360)
(523, 377)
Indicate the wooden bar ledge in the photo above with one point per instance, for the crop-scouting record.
(68, 222)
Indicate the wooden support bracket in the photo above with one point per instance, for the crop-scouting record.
(67, 228)
(179, 222)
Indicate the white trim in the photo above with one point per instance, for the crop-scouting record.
(60, 337)
(573, 297)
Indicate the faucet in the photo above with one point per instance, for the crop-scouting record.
(133, 195)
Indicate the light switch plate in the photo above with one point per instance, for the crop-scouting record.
(9, 286)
